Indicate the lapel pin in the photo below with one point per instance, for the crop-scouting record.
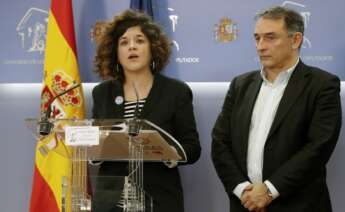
(118, 100)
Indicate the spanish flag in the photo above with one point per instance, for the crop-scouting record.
(51, 189)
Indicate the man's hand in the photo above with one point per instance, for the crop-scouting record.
(255, 197)
(245, 194)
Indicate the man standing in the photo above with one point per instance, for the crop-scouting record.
(278, 126)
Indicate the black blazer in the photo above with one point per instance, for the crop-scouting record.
(168, 105)
(299, 144)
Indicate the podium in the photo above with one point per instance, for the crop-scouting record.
(92, 141)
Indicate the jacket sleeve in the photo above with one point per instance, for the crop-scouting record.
(95, 95)
(224, 162)
(184, 124)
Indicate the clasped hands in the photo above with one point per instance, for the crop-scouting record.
(255, 197)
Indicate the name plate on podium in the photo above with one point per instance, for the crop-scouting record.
(81, 135)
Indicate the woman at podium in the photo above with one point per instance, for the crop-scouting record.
(131, 53)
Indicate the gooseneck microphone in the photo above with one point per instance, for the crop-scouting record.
(134, 123)
(45, 125)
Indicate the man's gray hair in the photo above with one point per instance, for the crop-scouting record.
(294, 22)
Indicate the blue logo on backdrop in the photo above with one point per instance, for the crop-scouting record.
(306, 16)
(32, 30)
(173, 17)
(307, 44)
(24, 45)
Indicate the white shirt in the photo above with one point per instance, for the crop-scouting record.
(264, 111)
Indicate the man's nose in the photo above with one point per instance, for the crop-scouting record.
(260, 44)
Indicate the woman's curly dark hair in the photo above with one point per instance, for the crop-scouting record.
(106, 59)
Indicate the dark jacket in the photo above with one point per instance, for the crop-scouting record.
(169, 106)
(299, 144)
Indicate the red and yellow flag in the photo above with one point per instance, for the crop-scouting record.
(53, 167)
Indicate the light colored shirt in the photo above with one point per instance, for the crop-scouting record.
(130, 108)
(264, 111)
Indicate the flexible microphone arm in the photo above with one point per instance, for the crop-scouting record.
(134, 123)
(45, 124)
(136, 111)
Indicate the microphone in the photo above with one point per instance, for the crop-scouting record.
(134, 123)
(45, 125)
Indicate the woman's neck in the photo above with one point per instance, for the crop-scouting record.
(141, 81)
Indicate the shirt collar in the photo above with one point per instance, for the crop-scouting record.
(283, 77)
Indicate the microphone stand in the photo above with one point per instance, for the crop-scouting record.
(133, 196)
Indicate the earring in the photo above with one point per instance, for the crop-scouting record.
(117, 68)
(153, 65)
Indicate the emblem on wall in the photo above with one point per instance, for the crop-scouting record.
(226, 30)
(97, 31)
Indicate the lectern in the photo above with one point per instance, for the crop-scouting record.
(135, 141)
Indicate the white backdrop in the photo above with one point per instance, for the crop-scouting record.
(202, 188)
